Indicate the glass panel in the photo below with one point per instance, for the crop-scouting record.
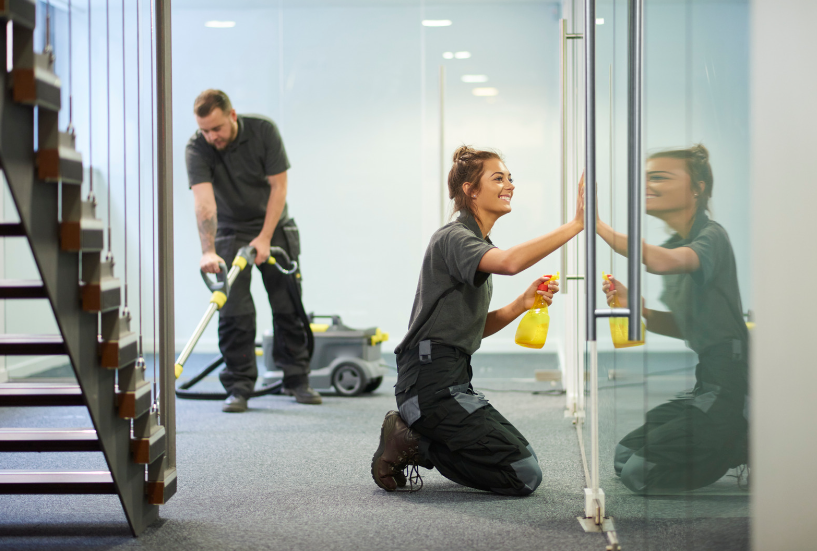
(621, 382)
(684, 467)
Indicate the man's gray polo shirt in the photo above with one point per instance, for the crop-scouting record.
(452, 299)
(239, 173)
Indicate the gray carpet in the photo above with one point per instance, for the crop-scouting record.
(290, 476)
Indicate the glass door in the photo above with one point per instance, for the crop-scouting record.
(671, 441)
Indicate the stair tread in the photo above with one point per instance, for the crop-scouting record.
(56, 482)
(20, 475)
(31, 345)
(22, 288)
(17, 389)
(19, 395)
(27, 338)
(49, 440)
(11, 229)
(21, 434)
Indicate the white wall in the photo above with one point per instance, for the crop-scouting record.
(355, 93)
(784, 116)
(354, 89)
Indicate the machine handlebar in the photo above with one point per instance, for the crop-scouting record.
(221, 283)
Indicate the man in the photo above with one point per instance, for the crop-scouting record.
(237, 169)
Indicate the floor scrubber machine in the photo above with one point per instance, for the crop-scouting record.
(346, 359)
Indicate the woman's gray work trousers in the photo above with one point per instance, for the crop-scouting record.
(462, 435)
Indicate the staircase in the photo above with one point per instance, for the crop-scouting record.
(77, 278)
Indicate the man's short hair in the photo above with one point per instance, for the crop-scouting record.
(209, 100)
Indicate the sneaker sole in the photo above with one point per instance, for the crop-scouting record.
(391, 421)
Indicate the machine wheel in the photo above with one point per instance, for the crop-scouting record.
(349, 380)
(374, 384)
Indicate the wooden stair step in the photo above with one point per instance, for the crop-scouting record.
(12, 229)
(22, 288)
(37, 85)
(49, 440)
(56, 482)
(31, 345)
(17, 395)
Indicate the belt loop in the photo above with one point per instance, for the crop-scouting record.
(425, 352)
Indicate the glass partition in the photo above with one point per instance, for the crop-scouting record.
(672, 439)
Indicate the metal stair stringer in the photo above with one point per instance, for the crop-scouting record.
(37, 205)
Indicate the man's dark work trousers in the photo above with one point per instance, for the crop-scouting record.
(462, 435)
(236, 326)
(690, 443)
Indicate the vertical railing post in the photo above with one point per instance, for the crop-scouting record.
(563, 140)
(634, 53)
(594, 500)
(443, 171)
(167, 375)
(590, 164)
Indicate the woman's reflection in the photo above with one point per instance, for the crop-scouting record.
(692, 441)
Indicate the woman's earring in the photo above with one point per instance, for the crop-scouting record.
(474, 196)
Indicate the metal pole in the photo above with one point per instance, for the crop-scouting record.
(167, 374)
(443, 183)
(590, 229)
(563, 137)
(590, 164)
(635, 42)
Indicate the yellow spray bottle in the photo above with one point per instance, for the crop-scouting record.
(533, 329)
(619, 327)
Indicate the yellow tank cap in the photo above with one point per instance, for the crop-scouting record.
(379, 336)
(319, 327)
(179, 369)
(259, 351)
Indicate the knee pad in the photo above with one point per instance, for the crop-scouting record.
(635, 473)
(528, 472)
(622, 455)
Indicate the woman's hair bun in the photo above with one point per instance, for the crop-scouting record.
(700, 153)
(463, 153)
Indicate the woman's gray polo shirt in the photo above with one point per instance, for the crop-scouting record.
(706, 303)
(452, 298)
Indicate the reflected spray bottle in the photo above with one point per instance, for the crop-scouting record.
(620, 327)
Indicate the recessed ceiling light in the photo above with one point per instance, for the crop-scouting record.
(485, 92)
(436, 22)
(474, 78)
(599, 21)
(220, 24)
(448, 55)
(462, 55)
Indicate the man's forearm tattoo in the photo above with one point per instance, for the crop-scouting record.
(207, 233)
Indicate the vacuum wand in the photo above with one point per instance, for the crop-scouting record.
(221, 290)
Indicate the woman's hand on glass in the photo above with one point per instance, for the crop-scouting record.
(580, 203)
(530, 293)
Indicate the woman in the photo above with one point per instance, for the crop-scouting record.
(454, 428)
(690, 442)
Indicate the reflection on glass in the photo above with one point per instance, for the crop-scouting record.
(692, 440)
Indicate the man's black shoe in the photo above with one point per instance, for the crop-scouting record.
(234, 404)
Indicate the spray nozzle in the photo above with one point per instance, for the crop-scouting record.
(544, 286)
(608, 280)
